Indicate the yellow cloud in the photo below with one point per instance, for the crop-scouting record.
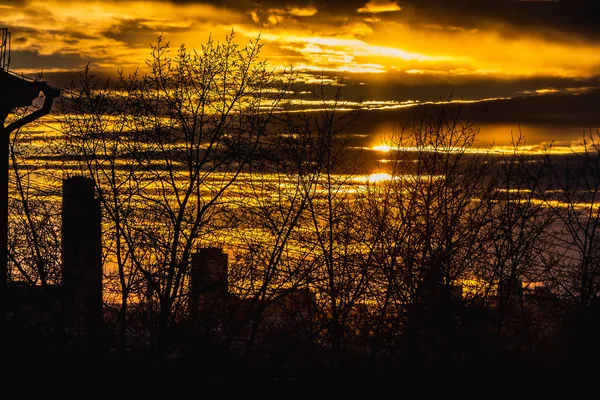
(486, 52)
(90, 29)
(117, 35)
(295, 11)
(345, 54)
(303, 12)
(378, 6)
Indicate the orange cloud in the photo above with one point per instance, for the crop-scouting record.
(117, 35)
(378, 6)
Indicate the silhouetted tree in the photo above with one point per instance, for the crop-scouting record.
(97, 142)
(456, 255)
(429, 219)
(572, 194)
(330, 238)
(518, 240)
(34, 241)
(187, 129)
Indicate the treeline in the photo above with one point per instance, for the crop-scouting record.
(459, 262)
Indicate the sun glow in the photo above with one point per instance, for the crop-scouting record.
(540, 149)
(383, 148)
(379, 177)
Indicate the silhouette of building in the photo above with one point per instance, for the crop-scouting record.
(48, 324)
(82, 255)
(291, 305)
(209, 270)
(209, 288)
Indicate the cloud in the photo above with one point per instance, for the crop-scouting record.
(140, 32)
(542, 119)
(302, 11)
(23, 59)
(554, 19)
(274, 16)
(551, 19)
(112, 34)
(379, 6)
(432, 46)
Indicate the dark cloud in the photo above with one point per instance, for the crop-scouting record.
(64, 79)
(403, 87)
(15, 2)
(136, 33)
(23, 59)
(557, 113)
(560, 117)
(553, 109)
(553, 19)
(547, 18)
(522, 105)
(22, 33)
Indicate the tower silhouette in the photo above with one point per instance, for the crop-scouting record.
(208, 282)
(82, 256)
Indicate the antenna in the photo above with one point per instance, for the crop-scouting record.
(4, 49)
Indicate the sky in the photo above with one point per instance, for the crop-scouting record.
(529, 65)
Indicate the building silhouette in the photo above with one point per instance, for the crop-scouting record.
(82, 256)
(58, 328)
(208, 290)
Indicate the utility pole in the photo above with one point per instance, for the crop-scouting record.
(15, 91)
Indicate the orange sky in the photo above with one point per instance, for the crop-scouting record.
(378, 37)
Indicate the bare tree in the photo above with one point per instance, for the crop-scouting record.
(97, 142)
(282, 253)
(34, 250)
(332, 241)
(518, 245)
(187, 130)
(428, 221)
(572, 195)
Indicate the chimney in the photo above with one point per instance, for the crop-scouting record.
(208, 281)
(82, 254)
